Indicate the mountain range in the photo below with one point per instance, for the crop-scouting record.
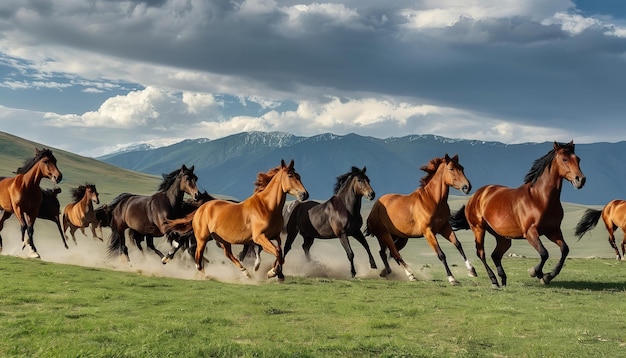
(228, 166)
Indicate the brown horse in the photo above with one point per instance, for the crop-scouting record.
(613, 215)
(80, 213)
(258, 219)
(424, 213)
(147, 216)
(21, 194)
(526, 212)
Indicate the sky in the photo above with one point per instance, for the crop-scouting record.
(92, 77)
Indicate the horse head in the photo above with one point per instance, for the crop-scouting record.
(362, 185)
(454, 175)
(93, 194)
(290, 181)
(48, 165)
(188, 181)
(568, 164)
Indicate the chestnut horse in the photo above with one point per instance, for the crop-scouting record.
(21, 194)
(526, 212)
(80, 213)
(258, 219)
(613, 215)
(147, 216)
(424, 213)
(337, 217)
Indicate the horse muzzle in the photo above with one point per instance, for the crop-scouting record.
(579, 181)
(56, 178)
(371, 195)
(302, 196)
(466, 188)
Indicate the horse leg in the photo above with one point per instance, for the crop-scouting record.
(72, 232)
(623, 247)
(557, 238)
(358, 235)
(229, 253)
(449, 234)
(269, 247)
(291, 236)
(533, 238)
(479, 238)
(306, 246)
(150, 243)
(28, 223)
(431, 238)
(199, 256)
(93, 231)
(611, 230)
(386, 242)
(5, 215)
(61, 232)
(174, 239)
(343, 238)
(502, 245)
(257, 256)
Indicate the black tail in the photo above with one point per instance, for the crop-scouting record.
(116, 243)
(587, 222)
(458, 221)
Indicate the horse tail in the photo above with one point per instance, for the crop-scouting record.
(116, 243)
(182, 226)
(587, 222)
(458, 220)
(288, 213)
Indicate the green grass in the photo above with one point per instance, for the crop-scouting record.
(53, 310)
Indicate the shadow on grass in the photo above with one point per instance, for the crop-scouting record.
(590, 286)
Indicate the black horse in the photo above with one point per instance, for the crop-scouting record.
(146, 216)
(338, 217)
(50, 209)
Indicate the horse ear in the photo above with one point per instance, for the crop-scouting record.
(291, 164)
(364, 168)
(192, 168)
(183, 168)
(282, 163)
(447, 158)
(455, 158)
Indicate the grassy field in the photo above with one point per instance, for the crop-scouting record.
(80, 302)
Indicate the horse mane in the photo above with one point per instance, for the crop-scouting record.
(263, 179)
(544, 162)
(79, 192)
(169, 179)
(430, 169)
(344, 177)
(29, 163)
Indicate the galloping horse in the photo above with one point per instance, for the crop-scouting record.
(529, 211)
(424, 213)
(21, 194)
(614, 216)
(50, 209)
(148, 215)
(258, 219)
(80, 213)
(338, 217)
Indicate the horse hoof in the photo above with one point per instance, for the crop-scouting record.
(495, 286)
(165, 260)
(271, 273)
(384, 273)
(532, 272)
(453, 281)
(34, 255)
(546, 279)
(472, 273)
(412, 278)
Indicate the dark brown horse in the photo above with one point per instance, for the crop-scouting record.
(80, 213)
(147, 216)
(21, 194)
(614, 216)
(395, 218)
(50, 209)
(526, 212)
(337, 217)
(258, 219)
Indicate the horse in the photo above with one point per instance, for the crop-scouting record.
(526, 212)
(21, 194)
(80, 213)
(257, 219)
(614, 216)
(148, 215)
(395, 218)
(337, 217)
(50, 209)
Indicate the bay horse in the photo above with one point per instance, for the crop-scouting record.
(147, 216)
(257, 219)
(337, 217)
(526, 212)
(21, 194)
(395, 218)
(50, 209)
(80, 213)
(614, 216)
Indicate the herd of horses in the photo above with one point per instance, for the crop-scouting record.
(527, 212)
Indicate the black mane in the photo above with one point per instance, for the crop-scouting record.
(29, 163)
(169, 179)
(544, 162)
(342, 178)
